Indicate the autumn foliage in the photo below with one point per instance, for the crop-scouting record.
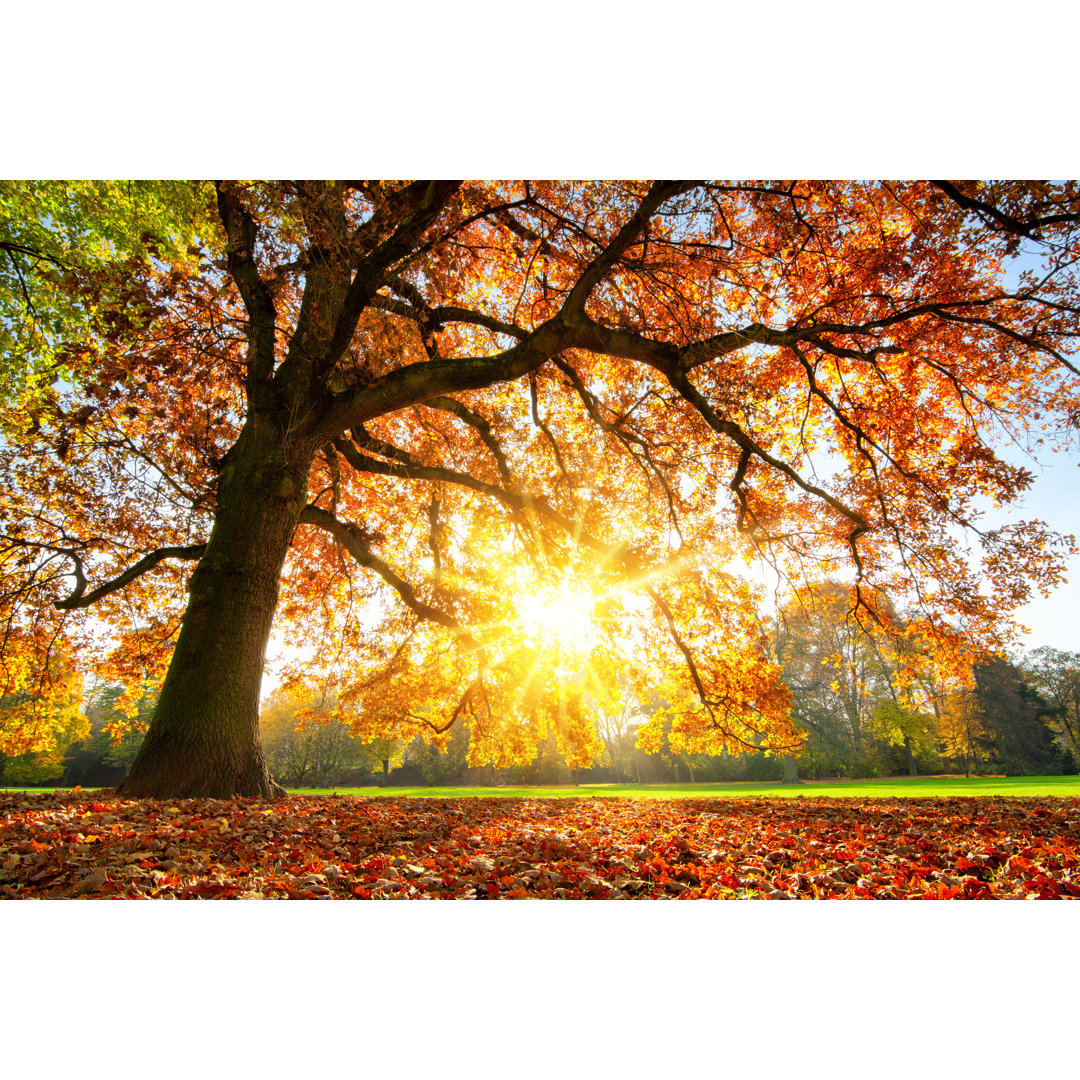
(387, 417)
(94, 845)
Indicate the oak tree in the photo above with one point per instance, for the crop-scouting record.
(481, 446)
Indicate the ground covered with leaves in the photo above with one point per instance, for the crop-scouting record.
(94, 844)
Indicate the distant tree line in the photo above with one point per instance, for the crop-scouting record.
(863, 715)
(870, 710)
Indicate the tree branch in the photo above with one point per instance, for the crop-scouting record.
(80, 598)
(425, 201)
(706, 702)
(352, 539)
(481, 425)
(408, 468)
(415, 383)
(1004, 222)
(241, 233)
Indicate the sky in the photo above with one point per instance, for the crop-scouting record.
(1053, 498)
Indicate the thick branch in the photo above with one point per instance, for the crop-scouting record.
(1004, 222)
(80, 598)
(354, 543)
(241, 234)
(593, 274)
(405, 467)
(13, 248)
(425, 201)
(415, 383)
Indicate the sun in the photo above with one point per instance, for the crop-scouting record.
(562, 617)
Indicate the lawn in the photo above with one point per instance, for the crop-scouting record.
(893, 787)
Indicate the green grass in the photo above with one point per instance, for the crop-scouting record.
(896, 787)
(899, 787)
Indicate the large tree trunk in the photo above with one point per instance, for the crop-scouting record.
(203, 739)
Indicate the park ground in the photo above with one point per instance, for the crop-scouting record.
(919, 838)
(917, 786)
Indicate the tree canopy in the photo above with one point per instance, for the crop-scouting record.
(67, 256)
(492, 449)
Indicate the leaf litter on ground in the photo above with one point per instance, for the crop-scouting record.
(75, 844)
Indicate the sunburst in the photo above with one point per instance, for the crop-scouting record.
(561, 617)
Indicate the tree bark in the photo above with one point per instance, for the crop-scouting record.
(203, 739)
(791, 775)
(912, 767)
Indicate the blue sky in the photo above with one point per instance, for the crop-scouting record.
(1053, 498)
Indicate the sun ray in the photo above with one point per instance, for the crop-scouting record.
(560, 617)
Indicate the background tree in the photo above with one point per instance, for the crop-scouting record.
(963, 735)
(117, 723)
(306, 741)
(36, 732)
(903, 728)
(1055, 674)
(828, 660)
(1018, 717)
(381, 755)
(67, 726)
(617, 718)
(392, 412)
(862, 689)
